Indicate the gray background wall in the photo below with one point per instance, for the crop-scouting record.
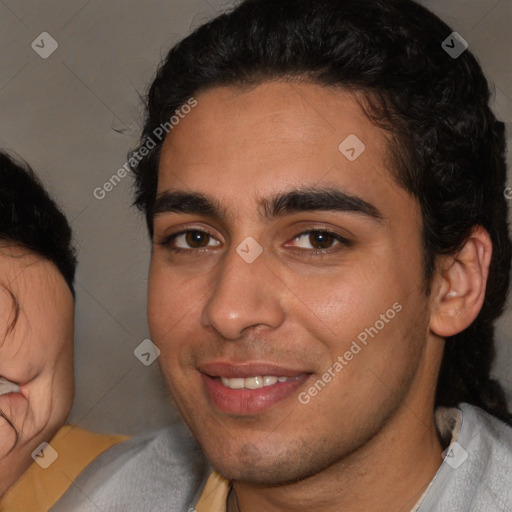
(74, 116)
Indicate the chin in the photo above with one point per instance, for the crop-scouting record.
(266, 475)
(249, 464)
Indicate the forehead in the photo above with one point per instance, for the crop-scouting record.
(30, 277)
(278, 114)
(241, 143)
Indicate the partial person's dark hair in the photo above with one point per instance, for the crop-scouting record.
(29, 218)
(446, 147)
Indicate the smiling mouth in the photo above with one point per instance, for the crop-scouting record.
(6, 387)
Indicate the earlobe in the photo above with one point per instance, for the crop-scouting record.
(462, 281)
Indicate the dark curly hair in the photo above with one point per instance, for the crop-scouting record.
(31, 219)
(446, 146)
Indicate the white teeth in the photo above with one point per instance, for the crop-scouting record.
(269, 381)
(7, 386)
(233, 383)
(255, 382)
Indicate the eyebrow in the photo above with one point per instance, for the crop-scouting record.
(269, 208)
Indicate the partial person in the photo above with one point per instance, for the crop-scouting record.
(39, 456)
(330, 251)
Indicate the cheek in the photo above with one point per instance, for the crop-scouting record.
(371, 317)
(336, 307)
(172, 316)
(169, 316)
(162, 293)
(56, 333)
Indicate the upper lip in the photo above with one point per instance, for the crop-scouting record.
(229, 369)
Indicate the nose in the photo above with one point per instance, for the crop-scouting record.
(244, 295)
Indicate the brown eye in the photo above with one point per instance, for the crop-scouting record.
(189, 240)
(195, 239)
(320, 240)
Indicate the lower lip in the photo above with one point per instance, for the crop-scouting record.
(249, 401)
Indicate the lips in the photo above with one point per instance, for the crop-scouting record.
(249, 388)
(6, 387)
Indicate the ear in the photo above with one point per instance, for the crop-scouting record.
(460, 288)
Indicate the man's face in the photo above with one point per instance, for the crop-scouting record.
(36, 353)
(223, 313)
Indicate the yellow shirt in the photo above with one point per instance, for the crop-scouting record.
(38, 489)
(214, 495)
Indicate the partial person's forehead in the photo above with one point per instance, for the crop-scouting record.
(24, 272)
